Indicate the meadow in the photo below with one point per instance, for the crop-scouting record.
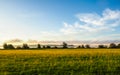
(60, 62)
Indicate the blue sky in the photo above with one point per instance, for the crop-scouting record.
(60, 19)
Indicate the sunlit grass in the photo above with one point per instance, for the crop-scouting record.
(60, 62)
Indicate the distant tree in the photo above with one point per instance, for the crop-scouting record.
(10, 46)
(38, 46)
(25, 46)
(65, 45)
(79, 46)
(5, 46)
(118, 46)
(55, 47)
(112, 45)
(18, 47)
(43, 47)
(102, 46)
(87, 46)
(82, 46)
(48, 46)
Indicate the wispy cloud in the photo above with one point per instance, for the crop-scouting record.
(91, 26)
(94, 23)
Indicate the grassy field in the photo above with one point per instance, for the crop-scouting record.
(60, 62)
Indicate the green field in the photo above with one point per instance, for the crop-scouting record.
(60, 62)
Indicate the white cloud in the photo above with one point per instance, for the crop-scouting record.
(94, 23)
(91, 26)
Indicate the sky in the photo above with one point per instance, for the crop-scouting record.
(59, 20)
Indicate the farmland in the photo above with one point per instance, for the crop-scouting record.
(60, 62)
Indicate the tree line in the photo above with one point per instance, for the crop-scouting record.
(64, 45)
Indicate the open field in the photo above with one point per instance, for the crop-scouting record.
(60, 62)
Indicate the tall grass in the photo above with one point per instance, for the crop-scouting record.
(60, 62)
